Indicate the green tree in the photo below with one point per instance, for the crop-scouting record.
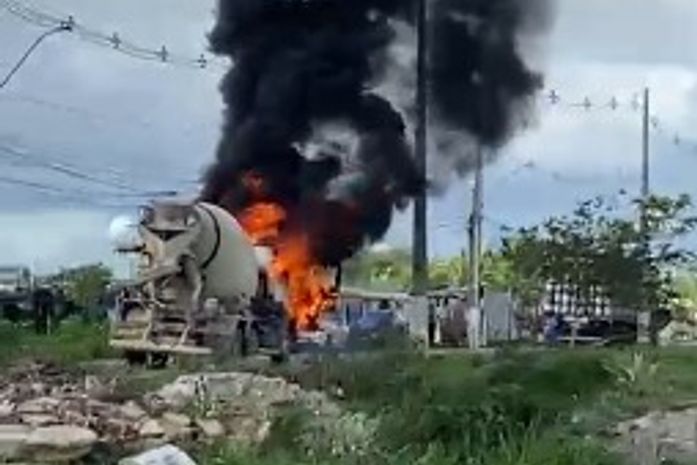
(388, 270)
(391, 271)
(685, 306)
(597, 245)
(448, 272)
(85, 285)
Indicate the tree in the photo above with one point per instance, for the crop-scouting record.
(599, 246)
(388, 270)
(85, 285)
(391, 271)
(685, 307)
(448, 272)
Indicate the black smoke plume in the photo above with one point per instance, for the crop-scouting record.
(479, 81)
(301, 63)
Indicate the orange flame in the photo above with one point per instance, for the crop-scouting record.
(307, 284)
(308, 287)
(262, 221)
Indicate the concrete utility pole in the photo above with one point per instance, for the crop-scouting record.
(420, 252)
(644, 316)
(419, 241)
(475, 320)
(645, 150)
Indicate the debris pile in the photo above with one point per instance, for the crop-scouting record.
(57, 416)
(659, 436)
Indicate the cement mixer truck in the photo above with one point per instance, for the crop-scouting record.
(201, 289)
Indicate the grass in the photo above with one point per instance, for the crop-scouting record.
(456, 409)
(516, 408)
(72, 343)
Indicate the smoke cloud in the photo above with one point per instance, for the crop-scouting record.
(300, 65)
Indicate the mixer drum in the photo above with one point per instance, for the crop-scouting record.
(225, 255)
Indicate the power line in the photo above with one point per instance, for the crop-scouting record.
(76, 173)
(114, 41)
(76, 196)
(62, 27)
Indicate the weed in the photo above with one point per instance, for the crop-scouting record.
(73, 342)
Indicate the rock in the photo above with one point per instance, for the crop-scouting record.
(7, 409)
(179, 393)
(176, 426)
(39, 405)
(165, 455)
(96, 389)
(39, 389)
(248, 430)
(176, 419)
(211, 428)
(39, 419)
(75, 418)
(97, 408)
(118, 429)
(12, 439)
(58, 444)
(155, 404)
(132, 411)
(151, 429)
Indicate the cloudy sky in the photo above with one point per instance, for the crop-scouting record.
(84, 129)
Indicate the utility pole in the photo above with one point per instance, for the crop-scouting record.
(475, 320)
(419, 244)
(644, 317)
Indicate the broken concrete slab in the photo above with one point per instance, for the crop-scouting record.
(12, 440)
(151, 429)
(58, 444)
(132, 411)
(211, 428)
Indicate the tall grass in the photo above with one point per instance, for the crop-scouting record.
(74, 341)
(511, 410)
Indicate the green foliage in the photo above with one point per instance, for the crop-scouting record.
(384, 270)
(511, 408)
(391, 271)
(225, 454)
(460, 409)
(448, 272)
(73, 342)
(85, 284)
(597, 245)
(638, 377)
(685, 303)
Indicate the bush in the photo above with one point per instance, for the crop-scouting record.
(461, 409)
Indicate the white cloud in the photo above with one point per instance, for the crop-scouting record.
(47, 240)
(157, 126)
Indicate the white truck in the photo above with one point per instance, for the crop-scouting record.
(202, 288)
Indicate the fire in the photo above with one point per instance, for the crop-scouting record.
(262, 221)
(307, 284)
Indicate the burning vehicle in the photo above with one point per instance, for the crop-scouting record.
(305, 72)
(206, 284)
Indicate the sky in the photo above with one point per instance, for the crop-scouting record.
(131, 126)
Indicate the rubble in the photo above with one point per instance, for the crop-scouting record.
(12, 440)
(659, 436)
(49, 415)
(58, 444)
(211, 429)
